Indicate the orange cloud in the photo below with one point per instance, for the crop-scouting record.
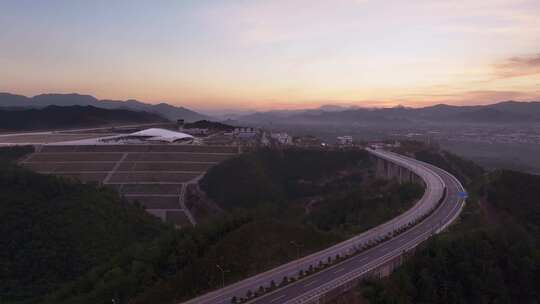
(518, 66)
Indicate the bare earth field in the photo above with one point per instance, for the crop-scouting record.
(178, 157)
(74, 157)
(47, 138)
(156, 176)
(158, 166)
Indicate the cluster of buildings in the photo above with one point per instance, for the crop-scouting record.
(382, 145)
(245, 132)
(282, 138)
(344, 141)
(474, 134)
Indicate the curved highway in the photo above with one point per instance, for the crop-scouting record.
(441, 204)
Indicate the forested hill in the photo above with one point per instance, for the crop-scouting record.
(206, 124)
(55, 117)
(508, 112)
(492, 255)
(269, 175)
(54, 230)
(43, 100)
(517, 195)
(66, 242)
(468, 172)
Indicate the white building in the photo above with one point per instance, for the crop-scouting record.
(148, 135)
(345, 140)
(283, 138)
(197, 131)
(247, 132)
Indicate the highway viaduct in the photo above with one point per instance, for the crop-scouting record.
(374, 253)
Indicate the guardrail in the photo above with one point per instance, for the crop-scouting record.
(433, 195)
(383, 260)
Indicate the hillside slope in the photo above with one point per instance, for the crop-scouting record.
(56, 230)
(44, 100)
(271, 176)
(509, 112)
(492, 254)
(54, 117)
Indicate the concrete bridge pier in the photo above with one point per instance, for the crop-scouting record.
(380, 272)
(388, 170)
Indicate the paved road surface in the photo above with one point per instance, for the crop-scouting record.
(435, 178)
(308, 289)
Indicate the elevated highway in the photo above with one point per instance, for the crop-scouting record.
(439, 207)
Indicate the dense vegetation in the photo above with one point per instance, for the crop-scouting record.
(238, 252)
(464, 170)
(55, 230)
(491, 256)
(498, 266)
(181, 264)
(517, 194)
(66, 242)
(207, 124)
(358, 210)
(272, 175)
(11, 154)
(334, 191)
(75, 243)
(55, 117)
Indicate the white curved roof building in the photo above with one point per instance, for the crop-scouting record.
(155, 134)
(140, 137)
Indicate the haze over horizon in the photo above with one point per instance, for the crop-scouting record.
(263, 55)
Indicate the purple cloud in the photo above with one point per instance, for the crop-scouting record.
(518, 66)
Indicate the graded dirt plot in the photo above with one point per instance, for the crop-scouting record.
(40, 167)
(178, 157)
(58, 149)
(71, 157)
(219, 140)
(164, 166)
(111, 148)
(52, 167)
(152, 177)
(142, 148)
(46, 138)
(194, 149)
(143, 189)
(156, 202)
(84, 177)
(97, 166)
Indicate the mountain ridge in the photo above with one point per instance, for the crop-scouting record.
(74, 99)
(508, 112)
(52, 117)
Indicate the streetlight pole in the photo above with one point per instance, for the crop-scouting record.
(222, 275)
(298, 247)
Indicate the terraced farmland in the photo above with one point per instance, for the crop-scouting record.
(156, 176)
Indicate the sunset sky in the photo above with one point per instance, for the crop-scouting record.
(257, 54)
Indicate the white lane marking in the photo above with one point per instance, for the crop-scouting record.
(339, 270)
(310, 283)
(278, 298)
(365, 234)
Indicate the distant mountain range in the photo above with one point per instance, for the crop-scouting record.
(166, 110)
(56, 117)
(508, 112)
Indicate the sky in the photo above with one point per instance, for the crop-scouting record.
(274, 54)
